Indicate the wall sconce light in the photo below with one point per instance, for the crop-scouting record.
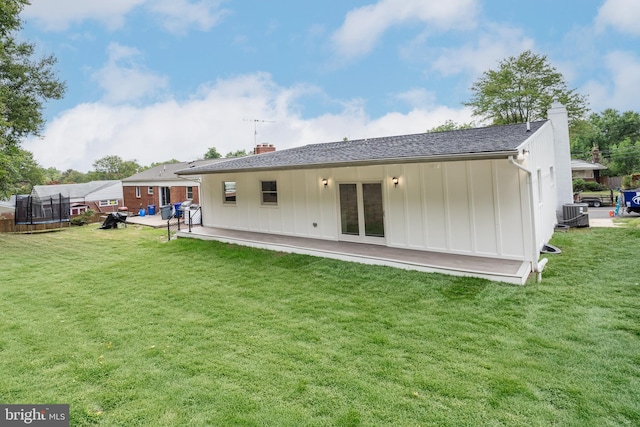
(523, 155)
(325, 182)
(395, 181)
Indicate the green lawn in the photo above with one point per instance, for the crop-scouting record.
(131, 330)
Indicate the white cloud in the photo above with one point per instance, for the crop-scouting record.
(123, 78)
(60, 14)
(417, 97)
(175, 15)
(622, 90)
(178, 16)
(492, 45)
(215, 116)
(623, 15)
(363, 27)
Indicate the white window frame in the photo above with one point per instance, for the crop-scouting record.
(138, 194)
(150, 191)
(263, 192)
(190, 192)
(109, 202)
(228, 200)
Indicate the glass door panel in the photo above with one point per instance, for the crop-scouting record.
(349, 209)
(373, 210)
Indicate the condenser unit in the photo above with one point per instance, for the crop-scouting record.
(576, 214)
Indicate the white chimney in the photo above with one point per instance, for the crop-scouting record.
(564, 185)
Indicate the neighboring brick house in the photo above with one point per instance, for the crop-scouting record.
(160, 186)
(99, 196)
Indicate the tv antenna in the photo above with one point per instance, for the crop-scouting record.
(255, 128)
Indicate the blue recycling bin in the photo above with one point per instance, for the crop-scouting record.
(142, 212)
(151, 209)
(178, 210)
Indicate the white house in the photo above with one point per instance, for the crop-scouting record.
(586, 170)
(461, 202)
(100, 196)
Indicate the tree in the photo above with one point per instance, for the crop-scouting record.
(72, 176)
(237, 153)
(212, 154)
(113, 167)
(451, 125)
(19, 172)
(522, 89)
(606, 131)
(25, 83)
(624, 158)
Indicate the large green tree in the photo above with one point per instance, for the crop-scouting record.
(212, 153)
(615, 134)
(113, 167)
(26, 83)
(19, 172)
(522, 89)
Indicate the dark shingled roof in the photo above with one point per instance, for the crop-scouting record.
(487, 142)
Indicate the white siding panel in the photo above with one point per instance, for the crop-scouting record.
(509, 196)
(415, 223)
(483, 214)
(458, 208)
(434, 207)
(395, 212)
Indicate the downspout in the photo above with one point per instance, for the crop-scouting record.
(537, 267)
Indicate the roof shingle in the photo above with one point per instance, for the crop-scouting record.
(468, 143)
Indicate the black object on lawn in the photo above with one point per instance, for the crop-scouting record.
(113, 219)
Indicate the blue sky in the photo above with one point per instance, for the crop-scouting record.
(152, 80)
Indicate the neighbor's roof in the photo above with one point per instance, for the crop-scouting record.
(467, 144)
(73, 190)
(167, 172)
(581, 165)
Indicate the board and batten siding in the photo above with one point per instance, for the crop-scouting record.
(467, 207)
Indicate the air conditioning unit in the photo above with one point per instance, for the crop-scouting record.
(576, 214)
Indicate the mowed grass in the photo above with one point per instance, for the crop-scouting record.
(131, 330)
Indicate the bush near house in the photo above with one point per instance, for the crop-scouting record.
(87, 217)
(580, 184)
(630, 182)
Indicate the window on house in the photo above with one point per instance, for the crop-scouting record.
(552, 176)
(111, 202)
(149, 190)
(540, 192)
(229, 192)
(269, 192)
(137, 192)
(189, 193)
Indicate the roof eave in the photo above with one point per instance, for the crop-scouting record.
(492, 155)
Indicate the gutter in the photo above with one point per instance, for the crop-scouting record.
(537, 267)
(492, 155)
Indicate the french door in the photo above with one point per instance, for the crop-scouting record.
(361, 212)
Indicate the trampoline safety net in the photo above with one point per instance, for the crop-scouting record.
(46, 210)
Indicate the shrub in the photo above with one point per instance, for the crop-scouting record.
(84, 218)
(631, 181)
(579, 184)
(593, 186)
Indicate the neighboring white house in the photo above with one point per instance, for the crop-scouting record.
(495, 192)
(585, 170)
(100, 196)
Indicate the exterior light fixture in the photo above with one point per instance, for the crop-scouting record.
(325, 181)
(395, 181)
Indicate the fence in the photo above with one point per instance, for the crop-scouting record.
(184, 219)
(33, 213)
